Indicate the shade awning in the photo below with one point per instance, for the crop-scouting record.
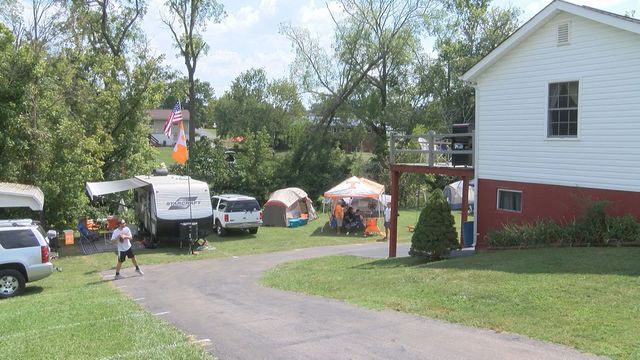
(109, 187)
(355, 187)
(20, 195)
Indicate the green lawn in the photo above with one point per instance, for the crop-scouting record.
(164, 155)
(74, 314)
(587, 298)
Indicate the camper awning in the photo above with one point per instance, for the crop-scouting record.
(19, 195)
(109, 187)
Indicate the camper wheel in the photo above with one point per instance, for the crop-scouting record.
(220, 230)
(253, 230)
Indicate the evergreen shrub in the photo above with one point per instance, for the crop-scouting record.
(435, 233)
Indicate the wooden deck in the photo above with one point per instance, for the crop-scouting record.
(429, 154)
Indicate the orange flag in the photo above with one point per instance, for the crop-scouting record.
(180, 151)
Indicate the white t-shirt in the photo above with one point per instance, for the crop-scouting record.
(387, 214)
(125, 244)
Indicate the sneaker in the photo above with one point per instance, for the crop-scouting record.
(118, 277)
(139, 271)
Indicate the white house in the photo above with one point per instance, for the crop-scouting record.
(558, 119)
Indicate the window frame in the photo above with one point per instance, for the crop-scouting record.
(504, 190)
(549, 109)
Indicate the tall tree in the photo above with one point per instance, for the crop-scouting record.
(192, 17)
(178, 89)
(363, 39)
(466, 31)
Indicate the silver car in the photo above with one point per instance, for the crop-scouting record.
(24, 255)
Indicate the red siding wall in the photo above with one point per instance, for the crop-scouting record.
(559, 203)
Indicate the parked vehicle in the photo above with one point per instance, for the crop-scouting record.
(236, 212)
(163, 202)
(24, 247)
(24, 255)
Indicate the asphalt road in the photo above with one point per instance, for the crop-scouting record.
(220, 304)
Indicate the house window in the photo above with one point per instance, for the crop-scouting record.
(510, 200)
(563, 109)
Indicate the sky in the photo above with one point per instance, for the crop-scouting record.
(248, 37)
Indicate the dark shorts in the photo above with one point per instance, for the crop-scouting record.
(123, 254)
(387, 224)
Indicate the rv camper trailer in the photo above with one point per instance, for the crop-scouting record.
(163, 202)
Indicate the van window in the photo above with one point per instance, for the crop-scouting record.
(18, 239)
(243, 205)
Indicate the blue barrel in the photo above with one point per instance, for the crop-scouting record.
(467, 233)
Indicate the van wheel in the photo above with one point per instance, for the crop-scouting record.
(220, 230)
(253, 230)
(11, 283)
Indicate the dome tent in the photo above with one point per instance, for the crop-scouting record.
(453, 194)
(285, 204)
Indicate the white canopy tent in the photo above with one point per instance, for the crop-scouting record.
(19, 195)
(357, 191)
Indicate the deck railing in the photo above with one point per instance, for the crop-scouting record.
(432, 149)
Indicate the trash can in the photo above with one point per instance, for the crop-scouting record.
(188, 232)
(68, 237)
(467, 233)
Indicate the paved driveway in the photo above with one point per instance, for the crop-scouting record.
(219, 302)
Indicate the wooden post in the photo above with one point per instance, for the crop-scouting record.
(393, 224)
(392, 149)
(430, 145)
(465, 207)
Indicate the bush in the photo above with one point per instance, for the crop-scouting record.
(623, 229)
(592, 228)
(595, 228)
(540, 233)
(435, 233)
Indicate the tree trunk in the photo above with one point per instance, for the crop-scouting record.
(192, 109)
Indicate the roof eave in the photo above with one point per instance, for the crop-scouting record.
(536, 22)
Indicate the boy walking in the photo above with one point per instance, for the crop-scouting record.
(123, 235)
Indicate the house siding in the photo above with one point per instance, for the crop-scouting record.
(561, 204)
(512, 150)
(511, 126)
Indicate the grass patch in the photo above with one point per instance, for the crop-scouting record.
(164, 155)
(74, 314)
(587, 298)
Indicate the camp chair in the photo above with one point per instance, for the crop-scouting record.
(372, 227)
(87, 234)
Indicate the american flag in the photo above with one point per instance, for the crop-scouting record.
(174, 117)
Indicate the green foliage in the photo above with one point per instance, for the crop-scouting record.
(592, 228)
(541, 233)
(207, 163)
(313, 166)
(254, 104)
(623, 229)
(595, 228)
(255, 166)
(435, 233)
(466, 31)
